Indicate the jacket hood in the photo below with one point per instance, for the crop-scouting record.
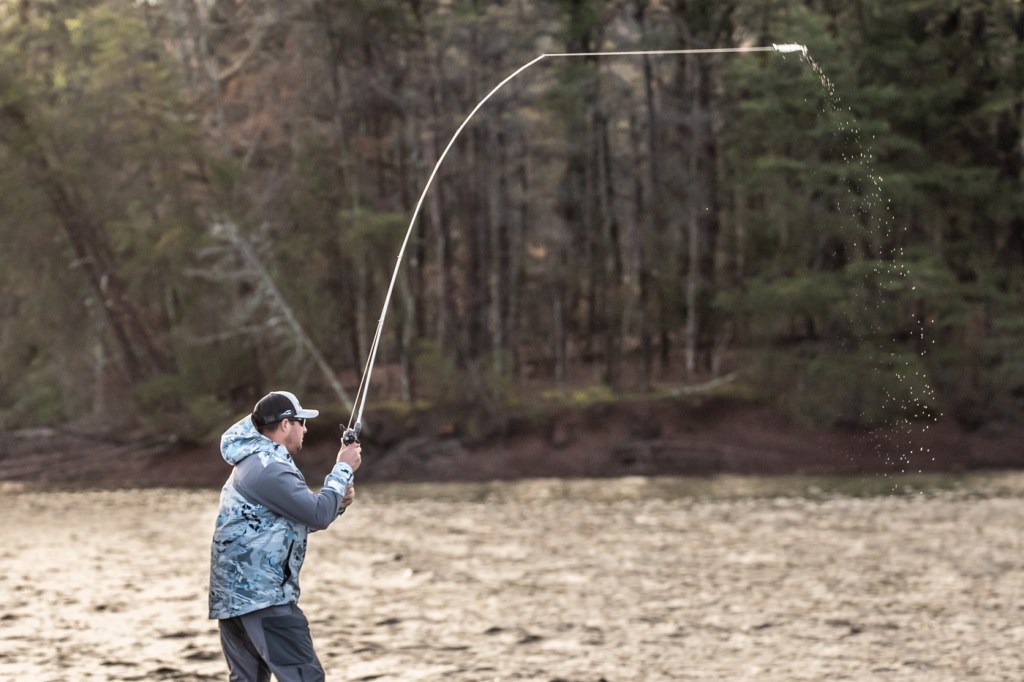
(242, 440)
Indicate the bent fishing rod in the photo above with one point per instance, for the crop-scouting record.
(354, 426)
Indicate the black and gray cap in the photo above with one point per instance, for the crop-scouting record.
(277, 406)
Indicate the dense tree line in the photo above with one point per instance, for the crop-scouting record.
(203, 198)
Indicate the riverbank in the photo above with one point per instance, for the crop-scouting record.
(656, 438)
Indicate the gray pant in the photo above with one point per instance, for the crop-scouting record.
(272, 640)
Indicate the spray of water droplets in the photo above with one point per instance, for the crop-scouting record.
(914, 404)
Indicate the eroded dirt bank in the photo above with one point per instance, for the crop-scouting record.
(669, 437)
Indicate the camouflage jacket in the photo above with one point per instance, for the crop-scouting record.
(266, 513)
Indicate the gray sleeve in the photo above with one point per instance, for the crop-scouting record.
(282, 490)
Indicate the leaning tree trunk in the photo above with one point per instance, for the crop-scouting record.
(140, 356)
(278, 302)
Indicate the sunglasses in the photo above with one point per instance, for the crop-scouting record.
(298, 420)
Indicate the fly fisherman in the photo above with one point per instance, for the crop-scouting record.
(259, 543)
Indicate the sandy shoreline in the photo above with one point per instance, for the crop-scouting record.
(621, 579)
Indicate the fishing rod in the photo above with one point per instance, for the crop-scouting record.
(352, 429)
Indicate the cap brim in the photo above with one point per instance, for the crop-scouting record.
(308, 414)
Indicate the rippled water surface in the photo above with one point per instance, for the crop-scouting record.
(914, 578)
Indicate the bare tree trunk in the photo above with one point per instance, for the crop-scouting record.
(739, 224)
(718, 225)
(653, 224)
(218, 77)
(692, 223)
(692, 284)
(181, 14)
(593, 269)
(496, 277)
(405, 340)
(99, 393)
(558, 337)
(518, 246)
(408, 322)
(708, 24)
(474, 291)
(435, 202)
(614, 309)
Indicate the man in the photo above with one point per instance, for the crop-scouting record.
(266, 513)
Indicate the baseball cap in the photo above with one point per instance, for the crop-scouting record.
(278, 405)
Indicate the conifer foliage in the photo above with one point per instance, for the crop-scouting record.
(842, 233)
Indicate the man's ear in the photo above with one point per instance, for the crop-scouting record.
(275, 431)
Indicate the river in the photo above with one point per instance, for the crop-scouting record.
(731, 578)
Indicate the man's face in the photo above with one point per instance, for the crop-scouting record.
(292, 434)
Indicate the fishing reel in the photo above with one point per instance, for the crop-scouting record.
(350, 435)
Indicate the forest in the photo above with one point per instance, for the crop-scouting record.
(201, 200)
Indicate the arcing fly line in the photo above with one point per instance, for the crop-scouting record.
(351, 431)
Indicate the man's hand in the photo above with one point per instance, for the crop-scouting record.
(350, 495)
(351, 455)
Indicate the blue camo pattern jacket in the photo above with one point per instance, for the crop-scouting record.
(266, 513)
